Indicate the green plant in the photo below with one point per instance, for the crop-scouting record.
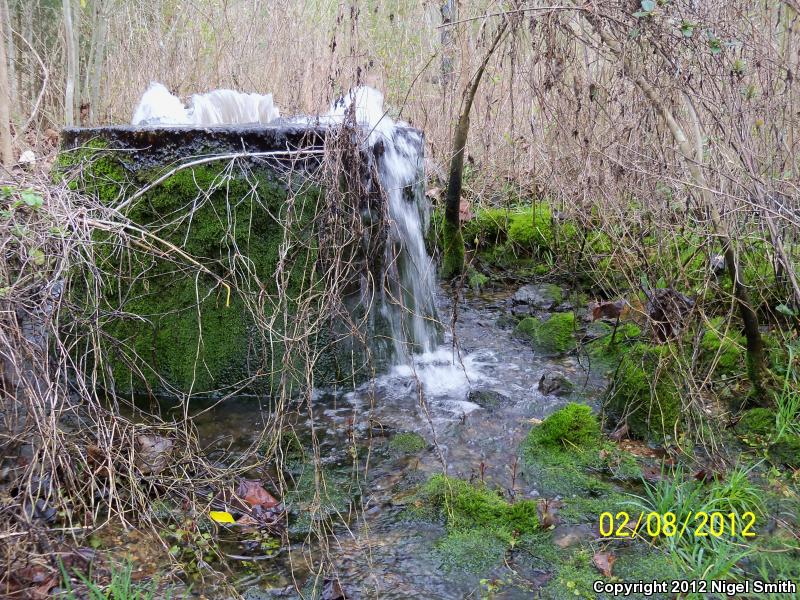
(120, 586)
(735, 493)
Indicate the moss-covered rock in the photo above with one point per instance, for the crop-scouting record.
(574, 425)
(182, 292)
(644, 393)
(531, 228)
(407, 442)
(554, 335)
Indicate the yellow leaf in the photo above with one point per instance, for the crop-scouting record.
(221, 516)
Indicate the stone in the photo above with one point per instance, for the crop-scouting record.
(565, 536)
(532, 297)
(488, 399)
(555, 383)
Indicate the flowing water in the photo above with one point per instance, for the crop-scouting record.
(407, 293)
(381, 554)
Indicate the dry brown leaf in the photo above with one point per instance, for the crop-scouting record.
(604, 561)
(252, 492)
(464, 211)
(153, 453)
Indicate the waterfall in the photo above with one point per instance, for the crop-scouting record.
(405, 323)
(407, 295)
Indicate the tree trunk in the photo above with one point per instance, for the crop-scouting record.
(447, 10)
(99, 36)
(6, 152)
(72, 65)
(453, 250)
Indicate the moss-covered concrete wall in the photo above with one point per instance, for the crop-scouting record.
(210, 251)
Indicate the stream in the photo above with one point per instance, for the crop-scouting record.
(382, 554)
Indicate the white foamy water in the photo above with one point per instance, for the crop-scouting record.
(442, 375)
(158, 107)
(224, 107)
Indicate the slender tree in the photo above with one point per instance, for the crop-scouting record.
(689, 144)
(453, 260)
(72, 64)
(6, 153)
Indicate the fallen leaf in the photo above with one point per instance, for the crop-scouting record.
(248, 521)
(221, 516)
(43, 589)
(604, 561)
(152, 453)
(252, 492)
(434, 193)
(464, 211)
(652, 473)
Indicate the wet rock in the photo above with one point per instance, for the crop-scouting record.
(488, 399)
(565, 536)
(536, 297)
(597, 329)
(506, 321)
(555, 383)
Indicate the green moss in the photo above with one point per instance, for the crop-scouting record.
(608, 347)
(725, 350)
(488, 227)
(553, 335)
(645, 394)
(756, 422)
(574, 425)
(528, 327)
(171, 327)
(531, 228)
(407, 442)
(480, 523)
(465, 506)
(563, 456)
(452, 251)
